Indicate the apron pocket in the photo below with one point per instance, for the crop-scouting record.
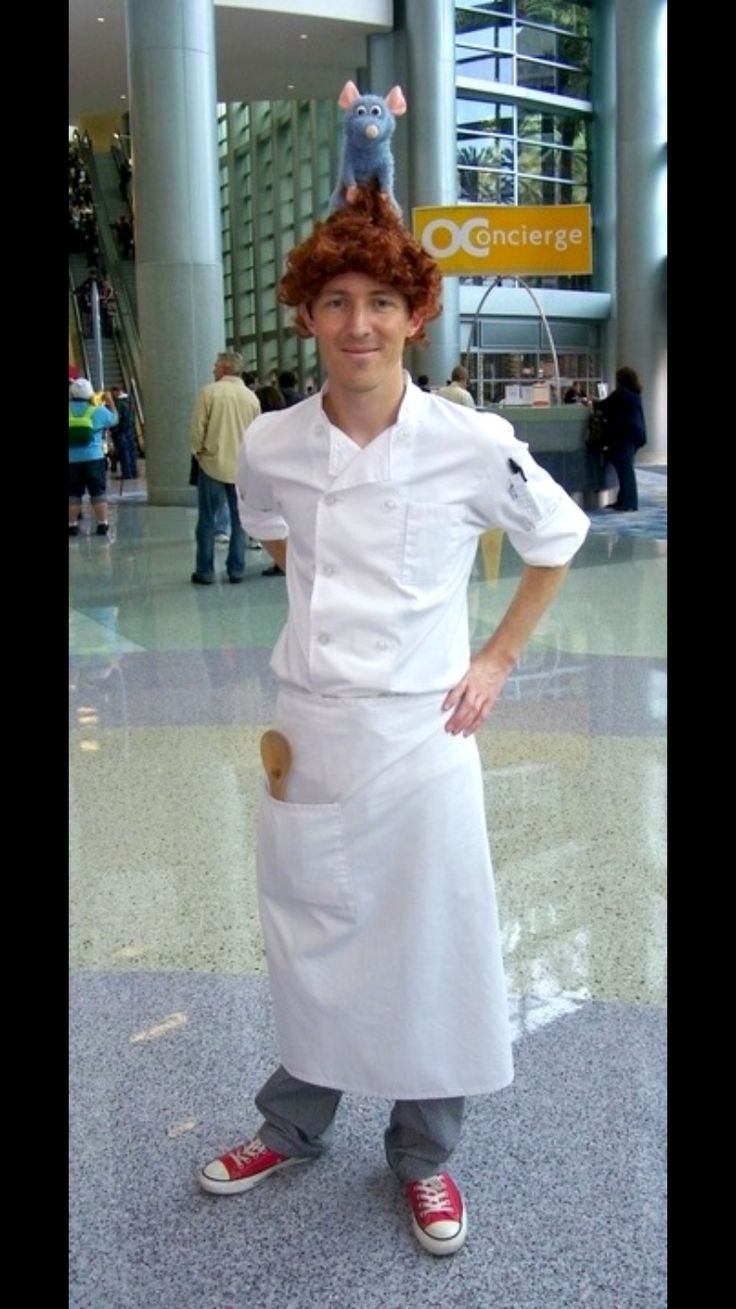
(302, 856)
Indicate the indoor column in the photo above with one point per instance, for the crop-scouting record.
(173, 113)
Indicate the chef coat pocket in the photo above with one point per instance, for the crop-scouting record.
(431, 539)
(302, 856)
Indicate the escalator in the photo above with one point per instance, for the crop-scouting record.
(108, 371)
(117, 360)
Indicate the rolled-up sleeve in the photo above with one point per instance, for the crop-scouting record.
(259, 514)
(543, 523)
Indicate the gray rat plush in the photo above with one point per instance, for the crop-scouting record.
(366, 152)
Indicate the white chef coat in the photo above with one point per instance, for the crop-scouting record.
(375, 886)
(382, 539)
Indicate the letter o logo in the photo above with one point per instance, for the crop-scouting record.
(460, 237)
(438, 225)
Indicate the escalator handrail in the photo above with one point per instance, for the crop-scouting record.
(128, 325)
(80, 343)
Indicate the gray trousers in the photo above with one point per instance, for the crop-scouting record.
(420, 1136)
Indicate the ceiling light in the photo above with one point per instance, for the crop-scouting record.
(304, 36)
(123, 97)
(100, 20)
(290, 86)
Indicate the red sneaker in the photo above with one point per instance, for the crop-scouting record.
(439, 1217)
(243, 1167)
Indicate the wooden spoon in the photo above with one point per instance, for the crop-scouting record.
(276, 756)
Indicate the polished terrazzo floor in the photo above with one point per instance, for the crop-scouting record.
(171, 1029)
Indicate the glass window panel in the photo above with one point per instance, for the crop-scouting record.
(555, 46)
(553, 163)
(579, 169)
(570, 17)
(544, 191)
(535, 41)
(558, 81)
(485, 154)
(491, 68)
(485, 116)
(536, 126)
(539, 77)
(571, 50)
(537, 159)
(470, 16)
(485, 187)
(573, 83)
(494, 37)
(562, 129)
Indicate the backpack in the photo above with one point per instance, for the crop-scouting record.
(81, 429)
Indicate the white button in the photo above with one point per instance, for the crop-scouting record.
(389, 505)
(382, 645)
(323, 638)
(331, 498)
(328, 570)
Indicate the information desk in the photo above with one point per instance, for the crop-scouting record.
(555, 435)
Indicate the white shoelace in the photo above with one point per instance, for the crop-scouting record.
(244, 1153)
(432, 1196)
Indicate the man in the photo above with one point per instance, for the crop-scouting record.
(223, 410)
(87, 467)
(375, 886)
(457, 390)
(289, 389)
(125, 433)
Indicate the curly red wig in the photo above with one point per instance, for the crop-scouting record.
(365, 237)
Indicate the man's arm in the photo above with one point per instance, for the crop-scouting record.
(474, 697)
(198, 434)
(277, 551)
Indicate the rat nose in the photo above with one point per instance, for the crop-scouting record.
(371, 131)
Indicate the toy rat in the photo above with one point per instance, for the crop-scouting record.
(366, 152)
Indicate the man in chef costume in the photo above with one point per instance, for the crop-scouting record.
(375, 885)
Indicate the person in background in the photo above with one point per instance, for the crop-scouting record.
(375, 884)
(575, 395)
(250, 380)
(423, 382)
(270, 398)
(87, 465)
(457, 388)
(288, 387)
(223, 411)
(124, 435)
(625, 434)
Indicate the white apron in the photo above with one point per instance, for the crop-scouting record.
(377, 902)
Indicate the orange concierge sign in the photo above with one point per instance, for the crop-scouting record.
(506, 240)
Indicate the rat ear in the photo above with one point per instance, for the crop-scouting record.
(348, 95)
(395, 101)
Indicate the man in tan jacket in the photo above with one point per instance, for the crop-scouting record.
(457, 388)
(222, 412)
